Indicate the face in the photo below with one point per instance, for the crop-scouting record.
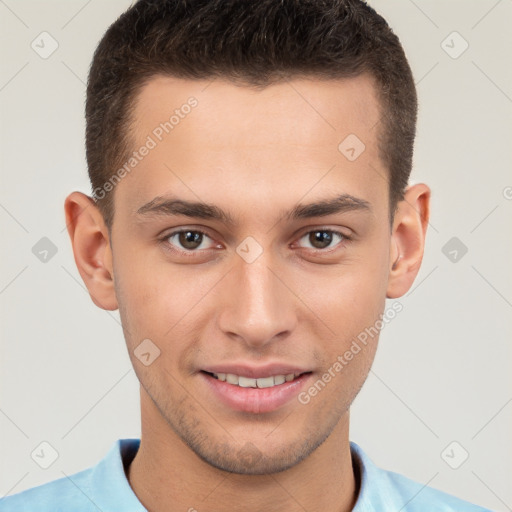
(259, 283)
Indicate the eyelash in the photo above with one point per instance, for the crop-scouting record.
(191, 252)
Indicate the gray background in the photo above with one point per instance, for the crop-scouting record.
(442, 371)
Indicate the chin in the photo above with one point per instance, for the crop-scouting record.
(249, 460)
(254, 458)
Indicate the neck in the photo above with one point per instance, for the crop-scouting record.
(166, 475)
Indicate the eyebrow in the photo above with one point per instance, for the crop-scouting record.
(169, 206)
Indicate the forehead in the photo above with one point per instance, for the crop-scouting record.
(281, 139)
(289, 110)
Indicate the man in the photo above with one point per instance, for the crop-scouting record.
(250, 215)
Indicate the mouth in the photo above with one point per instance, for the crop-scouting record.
(259, 383)
(255, 395)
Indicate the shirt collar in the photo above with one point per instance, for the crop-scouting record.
(112, 492)
(109, 485)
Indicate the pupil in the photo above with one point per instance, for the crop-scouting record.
(320, 239)
(190, 239)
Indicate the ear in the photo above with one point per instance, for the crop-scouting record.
(408, 239)
(91, 247)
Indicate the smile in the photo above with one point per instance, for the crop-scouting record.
(249, 382)
(254, 394)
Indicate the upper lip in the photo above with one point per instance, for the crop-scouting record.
(255, 372)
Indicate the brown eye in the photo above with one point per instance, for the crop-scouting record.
(188, 240)
(323, 238)
(320, 239)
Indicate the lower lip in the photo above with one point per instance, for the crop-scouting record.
(255, 400)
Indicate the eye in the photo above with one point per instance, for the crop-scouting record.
(187, 240)
(323, 238)
(195, 240)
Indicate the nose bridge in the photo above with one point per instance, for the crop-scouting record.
(257, 306)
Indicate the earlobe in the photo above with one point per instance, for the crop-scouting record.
(91, 248)
(408, 239)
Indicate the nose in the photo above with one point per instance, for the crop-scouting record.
(257, 305)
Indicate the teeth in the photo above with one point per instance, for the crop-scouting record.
(232, 379)
(248, 382)
(266, 382)
(245, 382)
(279, 379)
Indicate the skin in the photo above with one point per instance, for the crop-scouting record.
(256, 154)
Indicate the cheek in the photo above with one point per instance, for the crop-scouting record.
(163, 301)
(346, 298)
(160, 301)
(141, 293)
(351, 308)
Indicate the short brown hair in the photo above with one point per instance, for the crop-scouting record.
(257, 43)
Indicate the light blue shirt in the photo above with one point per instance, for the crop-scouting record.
(105, 488)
